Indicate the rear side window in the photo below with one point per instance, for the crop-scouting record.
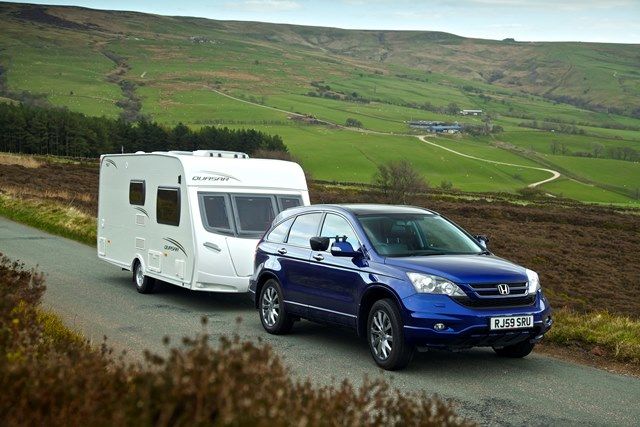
(136, 193)
(216, 213)
(279, 234)
(286, 202)
(304, 228)
(168, 206)
(254, 214)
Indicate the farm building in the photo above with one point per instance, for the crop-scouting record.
(423, 124)
(471, 112)
(445, 128)
(435, 127)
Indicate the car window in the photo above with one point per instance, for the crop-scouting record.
(254, 213)
(304, 228)
(336, 226)
(279, 234)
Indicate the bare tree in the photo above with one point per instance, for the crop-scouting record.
(399, 180)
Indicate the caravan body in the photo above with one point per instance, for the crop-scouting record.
(192, 219)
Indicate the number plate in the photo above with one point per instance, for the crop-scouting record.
(512, 322)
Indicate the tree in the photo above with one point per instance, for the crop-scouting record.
(398, 180)
(597, 149)
(354, 123)
(452, 108)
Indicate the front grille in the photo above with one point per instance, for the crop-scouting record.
(488, 290)
(497, 302)
(487, 295)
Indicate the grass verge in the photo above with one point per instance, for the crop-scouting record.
(52, 376)
(55, 218)
(602, 334)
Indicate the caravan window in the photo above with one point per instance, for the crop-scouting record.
(286, 202)
(254, 214)
(216, 213)
(168, 206)
(136, 193)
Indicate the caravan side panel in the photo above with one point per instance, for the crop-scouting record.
(138, 201)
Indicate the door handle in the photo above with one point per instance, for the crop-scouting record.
(318, 257)
(282, 251)
(212, 246)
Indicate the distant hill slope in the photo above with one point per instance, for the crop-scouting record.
(342, 99)
(599, 77)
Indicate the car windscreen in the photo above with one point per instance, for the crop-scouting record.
(401, 235)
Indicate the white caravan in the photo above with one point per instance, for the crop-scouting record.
(192, 219)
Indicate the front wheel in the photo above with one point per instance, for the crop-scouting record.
(519, 350)
(273, 316)
(144, 284)
(386, 338)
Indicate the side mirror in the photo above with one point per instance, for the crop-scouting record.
(344, 249)
(319, 244)
(483, 240)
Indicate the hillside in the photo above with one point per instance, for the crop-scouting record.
(238, 74)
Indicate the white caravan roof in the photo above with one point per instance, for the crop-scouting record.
(232, 169)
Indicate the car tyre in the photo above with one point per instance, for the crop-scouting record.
(144, 284)
(273, 315)
(385, 336)
(519, 350)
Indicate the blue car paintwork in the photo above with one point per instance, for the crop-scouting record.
(332, 289)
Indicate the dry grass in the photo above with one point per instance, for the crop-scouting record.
(602, 333)
(20, 160)
(50, 216)
(47, 194)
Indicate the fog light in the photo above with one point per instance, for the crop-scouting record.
(439, 326)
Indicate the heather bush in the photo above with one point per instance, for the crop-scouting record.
(51, 377)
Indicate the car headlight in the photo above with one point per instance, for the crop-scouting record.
(534, 281)
(428, 284)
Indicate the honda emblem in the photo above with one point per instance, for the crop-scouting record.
(504, 289)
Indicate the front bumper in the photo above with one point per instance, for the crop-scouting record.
(466, 327)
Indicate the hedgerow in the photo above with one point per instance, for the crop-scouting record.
(49, 376)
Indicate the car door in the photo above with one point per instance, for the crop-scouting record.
(334, 282)
(293, 256)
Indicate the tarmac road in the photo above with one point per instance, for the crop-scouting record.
(99, 299)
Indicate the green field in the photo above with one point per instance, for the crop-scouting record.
(176, 63)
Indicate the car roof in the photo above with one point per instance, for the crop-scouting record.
(364, 209)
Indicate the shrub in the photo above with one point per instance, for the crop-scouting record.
(446, 185)
(399, 180)
(354, 123)
(531, 192)
(53, 378)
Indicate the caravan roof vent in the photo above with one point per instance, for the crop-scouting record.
(225, 154)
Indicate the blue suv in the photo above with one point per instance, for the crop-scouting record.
(405, 278)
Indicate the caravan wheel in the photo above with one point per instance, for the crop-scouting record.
(144, 284)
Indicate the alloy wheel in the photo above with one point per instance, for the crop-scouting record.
(381, 335)
(270, 306)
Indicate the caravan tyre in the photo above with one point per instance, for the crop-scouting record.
(144, 284)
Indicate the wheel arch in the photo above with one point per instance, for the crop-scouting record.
(138, 259)
(372, 294)
(262, 279)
